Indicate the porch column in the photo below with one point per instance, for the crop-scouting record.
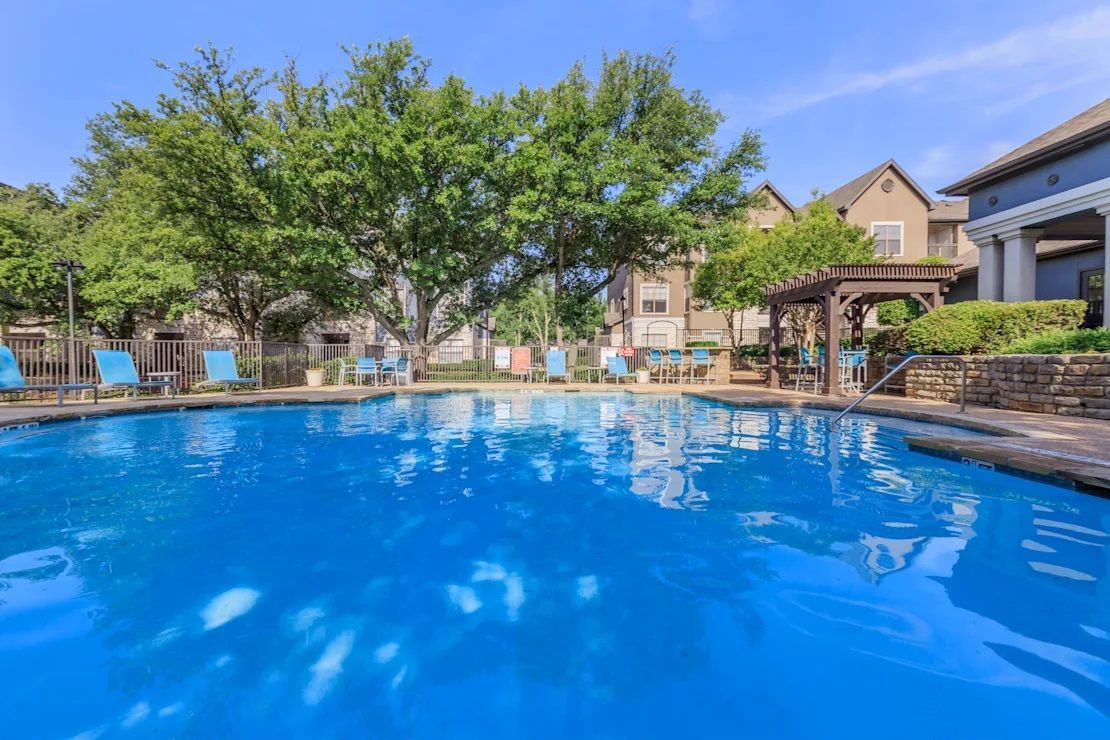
(775, 347)
(990, 269)
(1020, 264)
(1105, 213)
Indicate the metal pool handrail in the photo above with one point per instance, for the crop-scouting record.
(899, 366)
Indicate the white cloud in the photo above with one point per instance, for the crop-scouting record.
(1048, 53)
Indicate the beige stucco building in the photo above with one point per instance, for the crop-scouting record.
(884, 201)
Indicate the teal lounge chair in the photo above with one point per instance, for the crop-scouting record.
(117, 370)
(557, 366)
(220, 365)
(617, 368)
(11, 380)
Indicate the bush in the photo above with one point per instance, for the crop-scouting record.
(702, 343)
(988, 327)
(887, 342)
(897, 313)
(1059, 342)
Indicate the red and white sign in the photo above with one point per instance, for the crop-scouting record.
(628, 351)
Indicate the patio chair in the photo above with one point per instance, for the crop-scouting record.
(656, 362)
(359, 369)
(397, 369)
(807, 362)
(221, 369)
(520, 363)
(117, 370)
(677, 361)
(617, 369)
(700, 358)
(853, 369)
(12, 382)
(556, 366)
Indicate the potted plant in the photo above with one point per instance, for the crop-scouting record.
(643, 375)
(315, 377)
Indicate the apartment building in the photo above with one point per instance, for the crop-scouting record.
(884, 201)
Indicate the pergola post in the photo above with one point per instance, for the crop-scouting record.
(856, 314)
(832, 343)
(775, 348)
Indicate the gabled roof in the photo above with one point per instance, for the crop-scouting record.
(844, 196)
(954, 211)
(778, 194)
(1089, 126)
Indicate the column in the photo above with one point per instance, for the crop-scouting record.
(775, 347)
(1020, 265)
(1105, 213)
(832, 344)
(990, 269)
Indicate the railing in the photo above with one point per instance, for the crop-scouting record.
(896, 369)
(47, 361)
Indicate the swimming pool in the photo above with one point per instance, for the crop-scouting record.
(540, 565)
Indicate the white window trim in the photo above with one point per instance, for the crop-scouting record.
(901, 236)
(667, 300)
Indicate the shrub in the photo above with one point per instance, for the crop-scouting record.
(702, 343)
(988, 327)
(897, 313)
(891, 341)
(1060, 342)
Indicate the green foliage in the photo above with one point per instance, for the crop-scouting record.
(530, 318)
(703, 344)
(33, 226)
(988, 327)
(1062, 342)
(888, 342)
(897, 313)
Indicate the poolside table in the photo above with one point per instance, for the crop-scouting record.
(173, 375)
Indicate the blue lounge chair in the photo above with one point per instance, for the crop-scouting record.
(220, 365)
(117, 370)
(557, 366)
(11, 380)
(617, 368)
(397, 368)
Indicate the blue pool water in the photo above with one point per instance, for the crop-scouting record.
(538, 565)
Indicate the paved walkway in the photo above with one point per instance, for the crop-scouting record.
(1069, 448)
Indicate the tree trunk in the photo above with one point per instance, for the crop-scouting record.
(559, 264)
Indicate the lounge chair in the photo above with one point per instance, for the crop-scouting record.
(220, 365)
(617, 368)
(557, 366)
(117, 370)
(11, 380)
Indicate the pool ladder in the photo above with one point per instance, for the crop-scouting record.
(897, 368)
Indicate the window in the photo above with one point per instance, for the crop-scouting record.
(942, 240)
(655, 340)
(1092, 288)
(653, 298)
(335, 338)
(888, 238)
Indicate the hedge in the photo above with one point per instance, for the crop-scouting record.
(1058, 342)
(988, 327)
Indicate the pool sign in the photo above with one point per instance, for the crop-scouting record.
(628, 351)
(502, 358)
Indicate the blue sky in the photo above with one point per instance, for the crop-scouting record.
(835, 87)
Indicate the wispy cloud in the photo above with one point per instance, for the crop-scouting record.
(1077, 44)
(708, 15)
(947, 162)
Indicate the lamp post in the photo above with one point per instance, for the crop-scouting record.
(70, 266)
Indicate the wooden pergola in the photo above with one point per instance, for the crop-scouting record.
(848, 292)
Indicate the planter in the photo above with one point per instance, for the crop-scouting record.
(643, 376)
(315, 377)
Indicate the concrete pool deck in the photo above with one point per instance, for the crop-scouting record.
(1070, 450)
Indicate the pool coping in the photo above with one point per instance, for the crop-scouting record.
(1004, 451)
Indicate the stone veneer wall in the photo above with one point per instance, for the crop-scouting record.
(1070, 385)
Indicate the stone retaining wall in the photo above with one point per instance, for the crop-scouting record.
(1070, 385)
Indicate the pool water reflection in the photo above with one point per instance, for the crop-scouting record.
(540, 565)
